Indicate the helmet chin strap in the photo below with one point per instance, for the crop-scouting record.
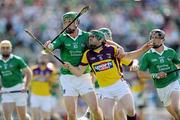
(98, 46)
(92, 47)
(157, 46)
(70, 31)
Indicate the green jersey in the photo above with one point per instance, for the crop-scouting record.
(161, 62)
(10, 71)
(71, 48)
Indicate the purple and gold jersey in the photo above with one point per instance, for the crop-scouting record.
(104, 64)
(42, 78)
(124, 61)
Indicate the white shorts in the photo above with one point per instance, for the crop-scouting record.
(115, 91)
(42, 102)
(165, 93)
(54, 102)
(19, 98)
(75, 86)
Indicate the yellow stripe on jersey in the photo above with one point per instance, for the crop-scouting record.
(125, 61)
(84, 59)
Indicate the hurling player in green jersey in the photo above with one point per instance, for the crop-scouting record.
(72, 44)
(158, 61)
(12, 69)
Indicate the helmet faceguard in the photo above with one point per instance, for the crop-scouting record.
(157, 33)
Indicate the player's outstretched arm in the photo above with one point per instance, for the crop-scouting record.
(135, 54)
(78, 71)
(110, 42)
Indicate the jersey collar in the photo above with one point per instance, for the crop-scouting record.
(10, 57)
(153, 50)
(79, 33)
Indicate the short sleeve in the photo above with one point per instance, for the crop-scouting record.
(118, 51)
(115, 50)
(58, 42)
(176, 59)
(21, 63)
(143, 63)
(84, 60)
(126, 61)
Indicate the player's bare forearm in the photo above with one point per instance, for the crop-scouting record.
(78, 71)
(143, 75)
(134, 54)
(131, 55)
(113, 43)
(137, 53)
(28, 76)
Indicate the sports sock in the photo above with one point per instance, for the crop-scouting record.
(131, 117)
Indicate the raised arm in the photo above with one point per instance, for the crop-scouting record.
(137, 53)
(110, 42)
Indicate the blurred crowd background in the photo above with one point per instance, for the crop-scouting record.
(130, 22)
